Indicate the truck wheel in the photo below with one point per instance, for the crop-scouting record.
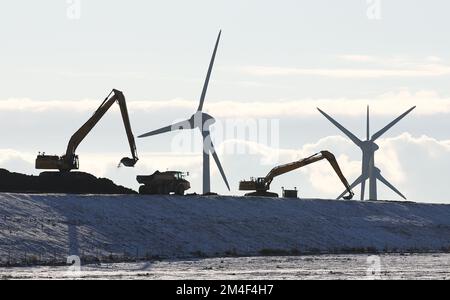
(180, 190)
(163, 190)
(145, 190)
(142, 190)
(160, 190)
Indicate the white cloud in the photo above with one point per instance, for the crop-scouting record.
(16, 161)
(418, 166)
(390, 104)
(434, 59)
(106, 164)
(10, 154)
(390, 61)
(425, 70)
(85, 105)
(357, 58)
(379, 67)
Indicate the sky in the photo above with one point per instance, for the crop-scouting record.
(277, 61)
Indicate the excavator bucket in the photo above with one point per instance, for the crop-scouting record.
(349, 196)
(128, 162)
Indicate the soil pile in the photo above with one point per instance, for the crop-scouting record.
(57, 182)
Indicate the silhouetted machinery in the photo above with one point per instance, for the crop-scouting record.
(69, 161)
(290, 193)
(164, 183)
(261, 185)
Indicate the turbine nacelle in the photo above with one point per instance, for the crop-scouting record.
(201, 121)
(370, 146)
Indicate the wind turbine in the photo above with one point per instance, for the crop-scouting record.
(369, 147)
(203, 122)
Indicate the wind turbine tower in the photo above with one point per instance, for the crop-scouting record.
(203, 122)
(369, 147)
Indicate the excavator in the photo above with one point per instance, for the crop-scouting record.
(261, 185)
(69, 161)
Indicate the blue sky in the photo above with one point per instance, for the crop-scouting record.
(277, 60)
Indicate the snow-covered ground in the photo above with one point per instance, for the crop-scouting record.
(427, 266)
(51, 227)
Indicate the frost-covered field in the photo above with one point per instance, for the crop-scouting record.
(309, 267)
(49, 228)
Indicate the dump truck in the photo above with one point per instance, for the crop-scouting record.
(261, 186)
(164, 183)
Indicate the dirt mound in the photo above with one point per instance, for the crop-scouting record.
(56, 182)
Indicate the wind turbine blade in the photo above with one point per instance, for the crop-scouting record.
(368, 123)
(352, 186)
(389, 185)
(216, 159)
(390, 125)
(342, 128)
(177, 126)
(208, 76)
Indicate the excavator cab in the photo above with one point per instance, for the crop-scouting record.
(54, 162)
(254, 184)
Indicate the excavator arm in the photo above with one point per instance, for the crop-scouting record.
(333, 162)
(263, 184)
(127, 162)
(69, 161)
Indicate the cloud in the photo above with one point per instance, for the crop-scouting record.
(388, 104)
(84, 105)
(418, 166)
(16, 160)
(392, 61)
(367, 67)
(320, 176)
(106, 164)
(434, 59)
(358, 58)
(424, 164)
(425, 70)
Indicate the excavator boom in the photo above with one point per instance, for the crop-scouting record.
(69, 161)
(262, 185)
